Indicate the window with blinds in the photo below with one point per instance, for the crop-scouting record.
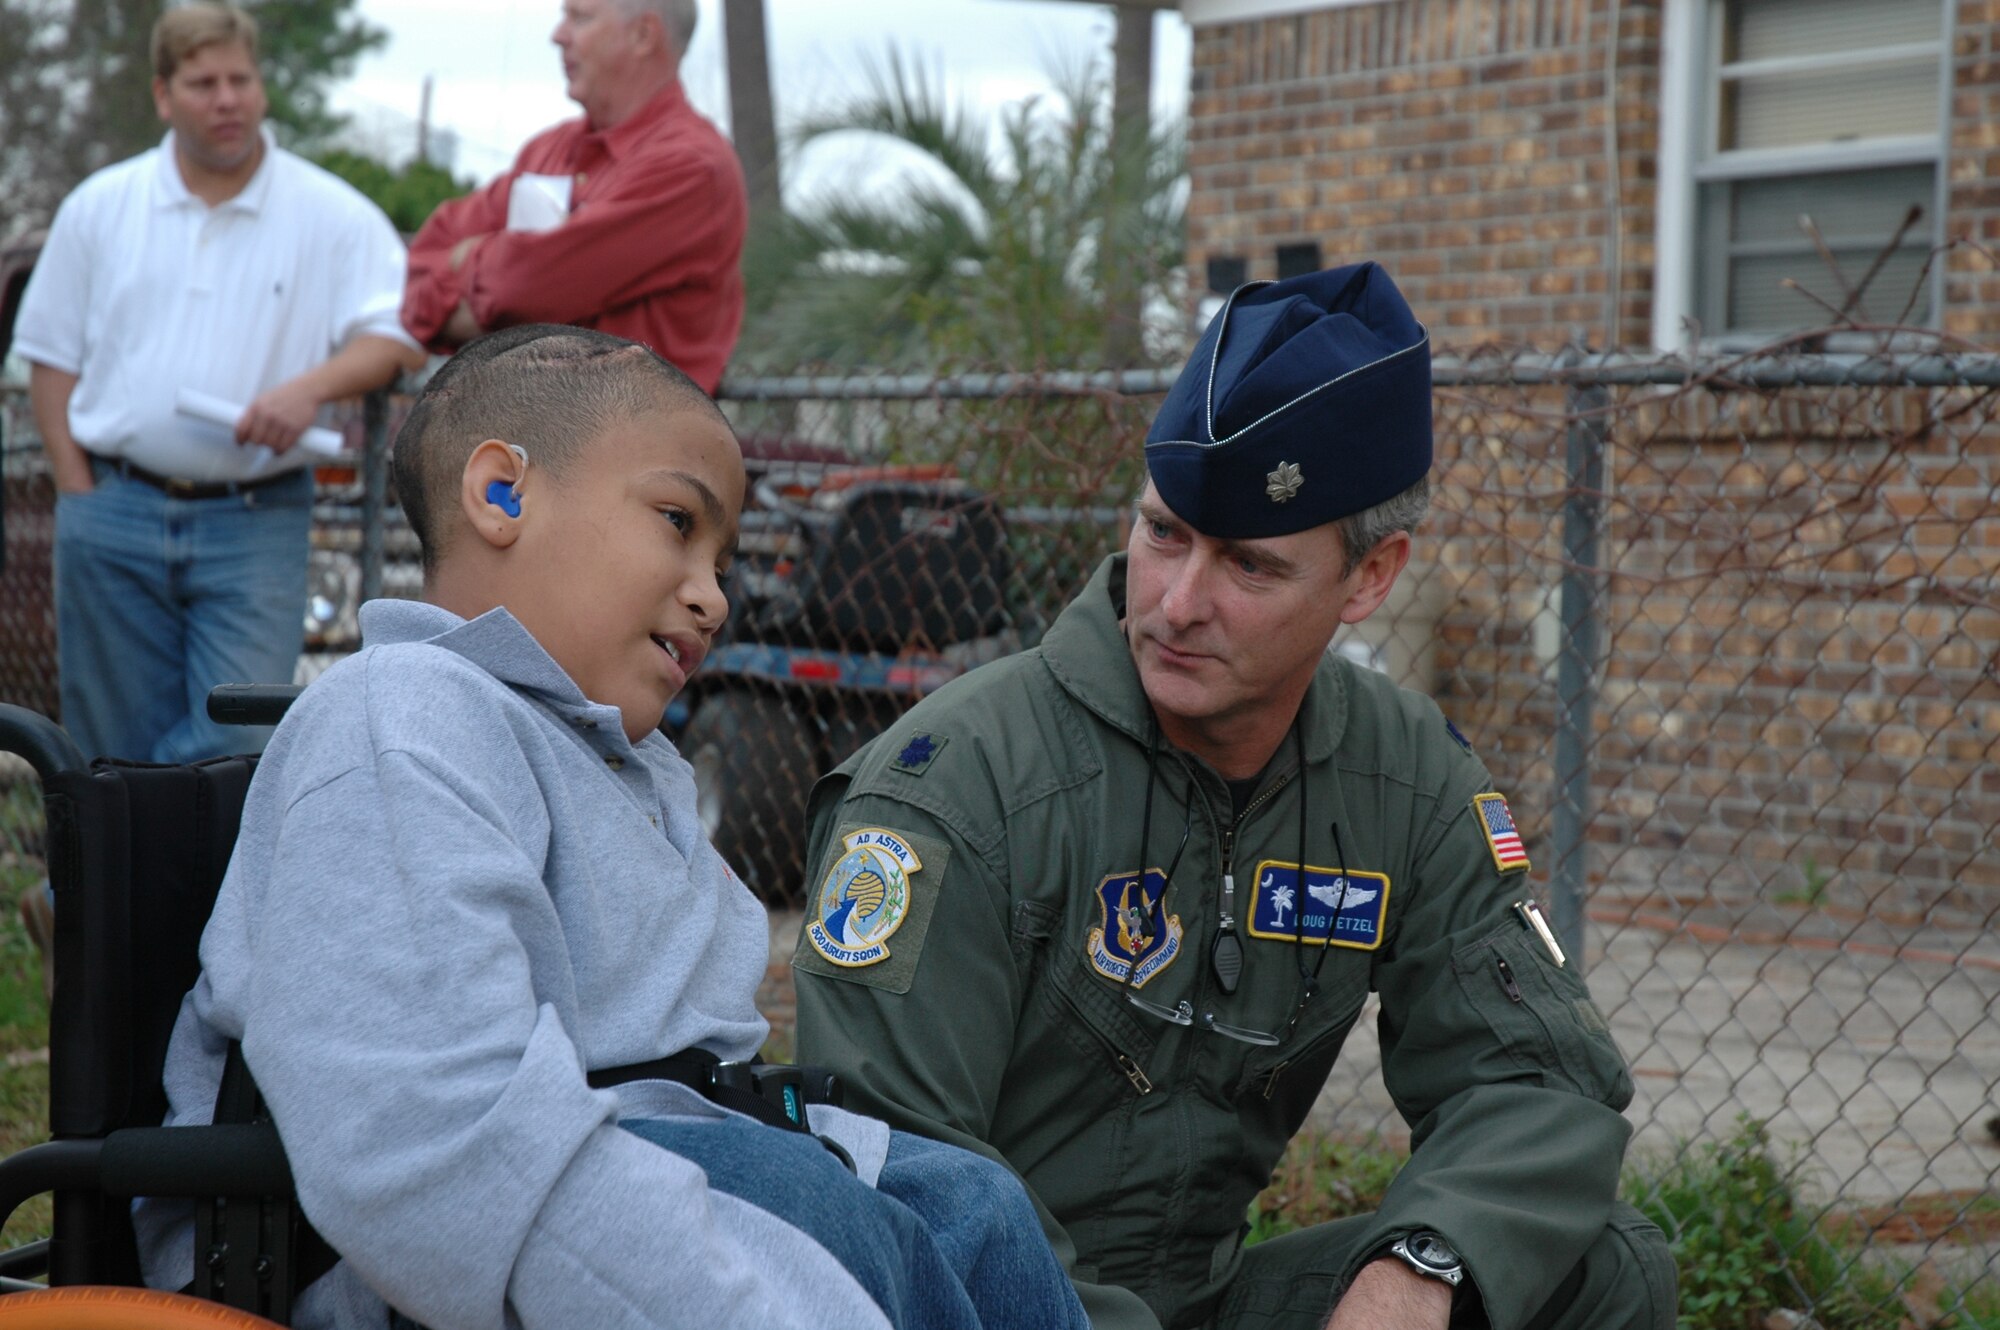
(1817, 183)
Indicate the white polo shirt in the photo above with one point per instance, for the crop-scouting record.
(143, 289)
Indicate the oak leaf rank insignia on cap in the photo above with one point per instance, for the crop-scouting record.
(1329, 372)
(1285, 482)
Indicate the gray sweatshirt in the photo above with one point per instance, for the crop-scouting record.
(457, 888)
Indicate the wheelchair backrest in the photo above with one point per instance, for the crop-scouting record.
(136, 854)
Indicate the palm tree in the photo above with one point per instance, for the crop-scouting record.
(993, 263)
(1281, 904)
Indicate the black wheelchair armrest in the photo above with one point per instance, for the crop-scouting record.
(230, 1160)
(54, 1166)
(235, 1159)
(251, 703)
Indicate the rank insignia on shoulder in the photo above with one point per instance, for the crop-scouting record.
(1502, 836)
(1457, 737)
(864, 898)
(919, 753)
(1132, 934)
(1336, 909)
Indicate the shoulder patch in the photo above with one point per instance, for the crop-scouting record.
(1496, 820)
(867, 918)
(919, 753)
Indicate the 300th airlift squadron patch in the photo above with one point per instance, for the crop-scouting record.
(864, 899)
(1133, 934)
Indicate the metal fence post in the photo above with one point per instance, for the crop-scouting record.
(374, 488)
(1576, 662)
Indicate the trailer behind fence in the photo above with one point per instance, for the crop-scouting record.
(1727, 633)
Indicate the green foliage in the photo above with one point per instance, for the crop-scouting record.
(1321, 1179)
(304, 48)
(1746, 1247)
(1813, 882)
(1744, 1242)
(998, 260)
(1972, 1304)
(408, 195)
(24, 1012)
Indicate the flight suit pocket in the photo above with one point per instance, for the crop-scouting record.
(1033, 925)
(1311, 1055)
(1541, 1015)
(1094, 1023)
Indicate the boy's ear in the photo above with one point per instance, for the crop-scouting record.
(490, 493)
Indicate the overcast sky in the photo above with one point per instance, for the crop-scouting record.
(498, 79)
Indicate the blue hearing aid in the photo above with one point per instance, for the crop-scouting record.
(502, 494)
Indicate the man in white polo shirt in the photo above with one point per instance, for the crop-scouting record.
(221, 264)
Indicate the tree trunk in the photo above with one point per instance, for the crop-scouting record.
(1131, 126)
(751, 123)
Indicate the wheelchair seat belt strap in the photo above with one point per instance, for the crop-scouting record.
(772, 1093)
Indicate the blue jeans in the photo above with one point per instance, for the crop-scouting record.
(160, 599)
(946, 1241)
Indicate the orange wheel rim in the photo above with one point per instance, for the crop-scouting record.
(90, 1307)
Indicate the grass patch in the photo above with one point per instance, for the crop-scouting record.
(24, 1011)
(1321, 1178)
(1747, 1244)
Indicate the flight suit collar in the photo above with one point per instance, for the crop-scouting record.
(1086, 650)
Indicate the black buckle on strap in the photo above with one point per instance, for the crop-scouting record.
(773, 1093)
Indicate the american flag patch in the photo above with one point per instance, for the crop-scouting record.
(1502, 836)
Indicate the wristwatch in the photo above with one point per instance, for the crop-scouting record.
(1430, 1256)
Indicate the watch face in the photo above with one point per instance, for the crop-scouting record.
(1433, 1251)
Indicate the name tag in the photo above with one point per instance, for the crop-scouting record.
(1329, 908)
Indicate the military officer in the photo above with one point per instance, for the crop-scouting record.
(1106, 910)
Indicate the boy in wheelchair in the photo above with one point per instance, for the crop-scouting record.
(481, 961)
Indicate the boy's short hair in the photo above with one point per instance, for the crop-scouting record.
(549, 388)
(185, 29)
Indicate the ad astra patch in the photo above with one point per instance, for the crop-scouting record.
(864, 899)
(1333, 910)
(1127, 936)
(1502, 836)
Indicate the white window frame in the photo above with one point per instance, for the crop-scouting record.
(1201, 12)
(1690, 85)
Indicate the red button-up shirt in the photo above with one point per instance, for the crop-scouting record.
(649, 251)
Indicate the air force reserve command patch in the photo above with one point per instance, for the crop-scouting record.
(864, 899)
(1335, 909)
(1131, 932)
(1502, 836)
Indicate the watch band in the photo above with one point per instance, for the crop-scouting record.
(1429, 1255)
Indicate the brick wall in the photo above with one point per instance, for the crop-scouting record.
(1801, 691)
(1972, 163)
(1799, 696)
(1485, 152)
(1500, 156)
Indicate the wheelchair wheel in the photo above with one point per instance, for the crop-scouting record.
(94, 1307)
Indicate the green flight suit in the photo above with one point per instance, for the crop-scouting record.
(972, 1010)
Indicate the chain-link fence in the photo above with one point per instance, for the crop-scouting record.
(1727, 633)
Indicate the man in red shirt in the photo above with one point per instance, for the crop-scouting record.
(629, 220)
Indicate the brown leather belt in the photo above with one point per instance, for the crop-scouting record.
(175, 488)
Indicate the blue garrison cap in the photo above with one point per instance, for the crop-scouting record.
(1306, 400)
